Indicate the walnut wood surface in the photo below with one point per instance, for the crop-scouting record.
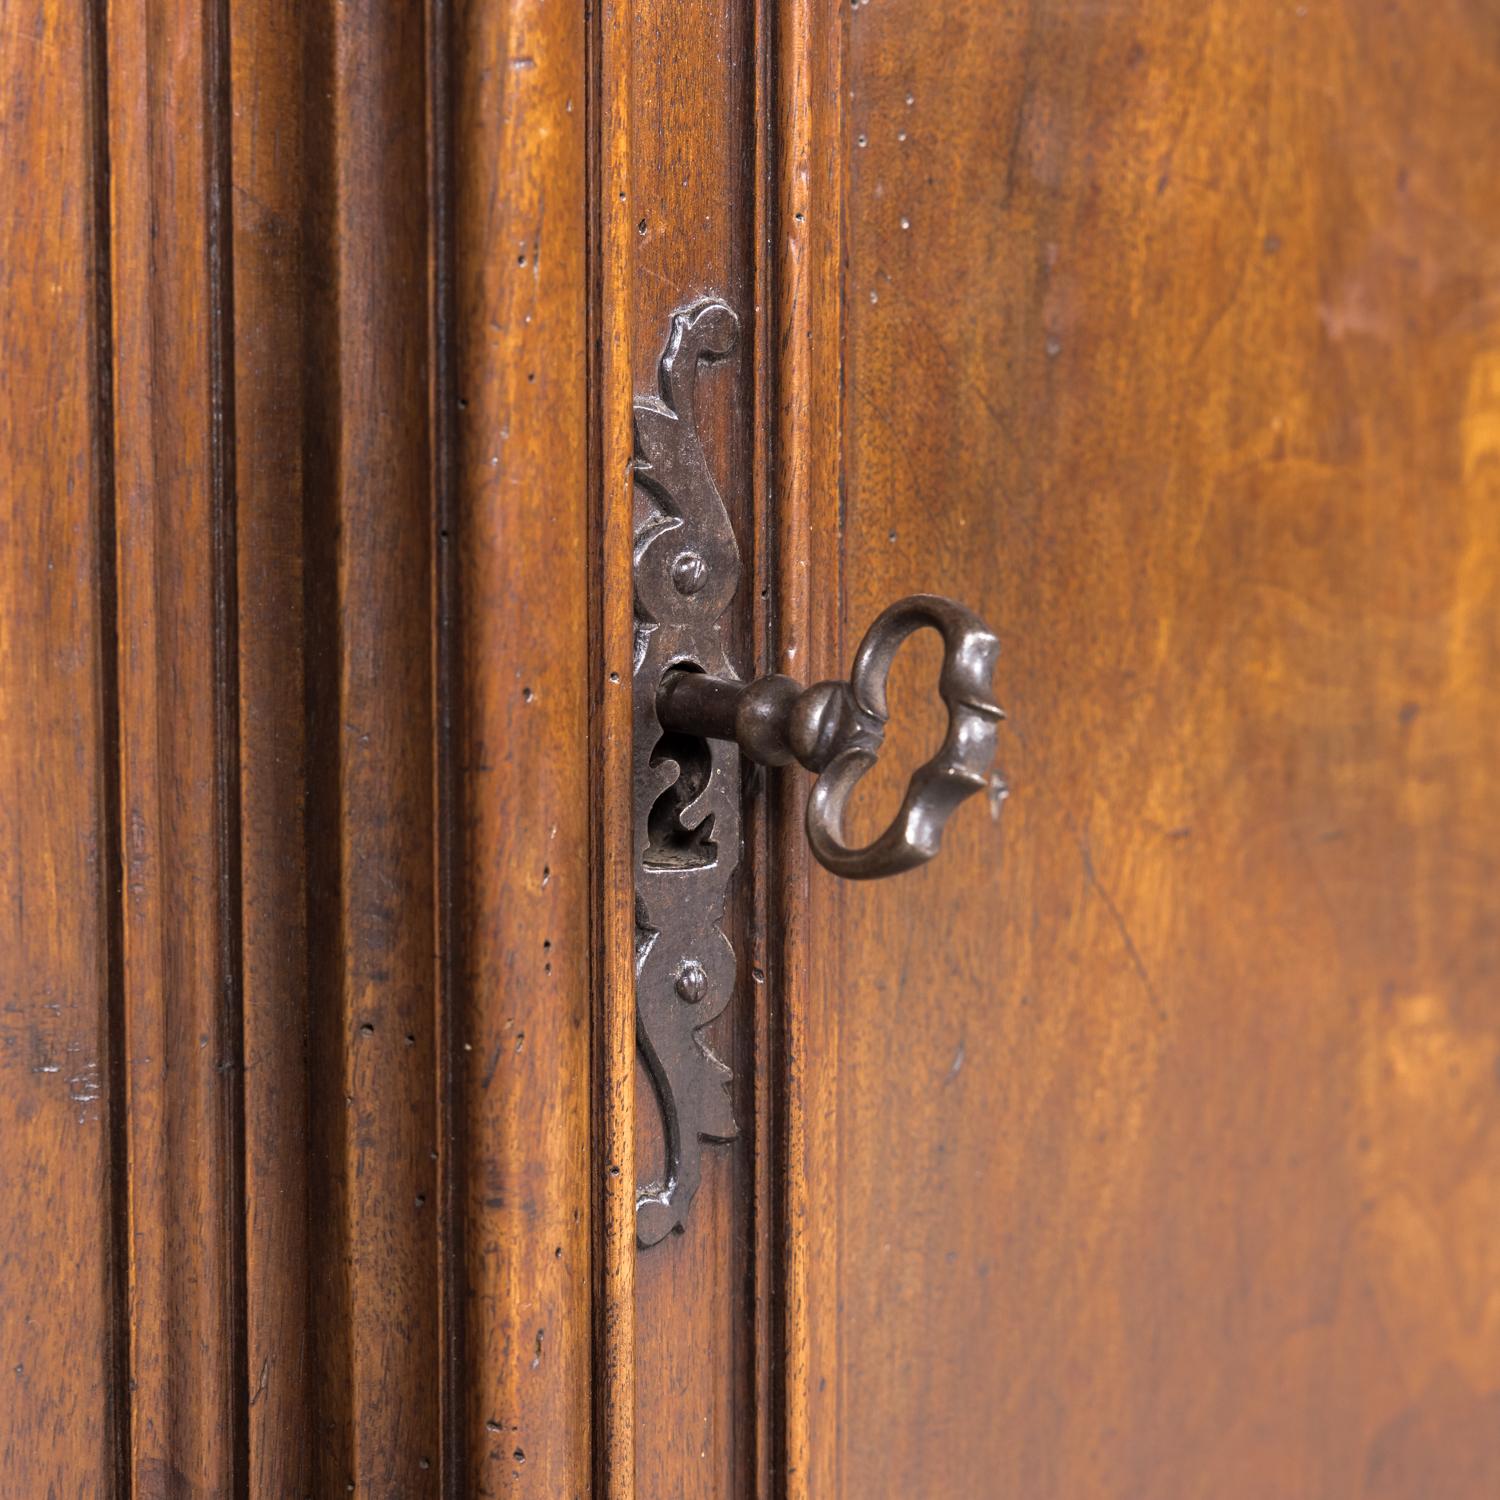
(1146, 1144)
(178, 764)
(270, 388)
(60, 1283)
(522, 872)
(1167, 1132)
(611, 381)
(257, 736)
(378, 1287)
(805, 923)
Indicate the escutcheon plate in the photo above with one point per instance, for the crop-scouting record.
(687, 788)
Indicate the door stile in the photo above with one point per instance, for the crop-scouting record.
(807, 590)
(611, 273)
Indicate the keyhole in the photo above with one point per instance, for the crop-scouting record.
(670, 844)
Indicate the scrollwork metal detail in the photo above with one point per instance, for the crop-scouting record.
(687, 827)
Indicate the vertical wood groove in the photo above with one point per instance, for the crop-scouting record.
(267, 186)
(96, 54)
(369, 603)
(764, 1289)
(328, 1311)
(219, 250)
(452, 1140)
(173, 436)
(612, 444)
(234, 584)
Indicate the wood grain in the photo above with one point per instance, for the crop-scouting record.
(523, 788)
(174, 464)
(224, 188)
(269, 185)
(807, 920)
(1167, 1123)
(1145, 1145)
(66, 1413)
(611, 270)
(371, 812)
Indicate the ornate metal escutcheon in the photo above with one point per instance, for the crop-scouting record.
(694, 715)
(687, 787)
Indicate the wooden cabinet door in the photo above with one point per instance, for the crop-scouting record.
(1151, 1137)
(1144, 1144)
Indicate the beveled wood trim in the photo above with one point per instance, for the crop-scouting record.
(522, 775)
(174, 443)
(62, 1324)
(807, 482)
(371, 752)
(452, 880)
(611, 274)
(760, 994)
(266, 145)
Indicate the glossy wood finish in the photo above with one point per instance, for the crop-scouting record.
(1144, 1144)
(522, 816)
(249, 1074)
(612, 936)
(59, 1185)
(1166, 1129)
(178, 762)
(270, 385)
(370, 823)
(804, 940)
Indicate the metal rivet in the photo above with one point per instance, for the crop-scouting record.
(689, 573)
(692, 982)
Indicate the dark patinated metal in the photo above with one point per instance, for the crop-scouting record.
(687, 786)
(836, 729)
(693, 715)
